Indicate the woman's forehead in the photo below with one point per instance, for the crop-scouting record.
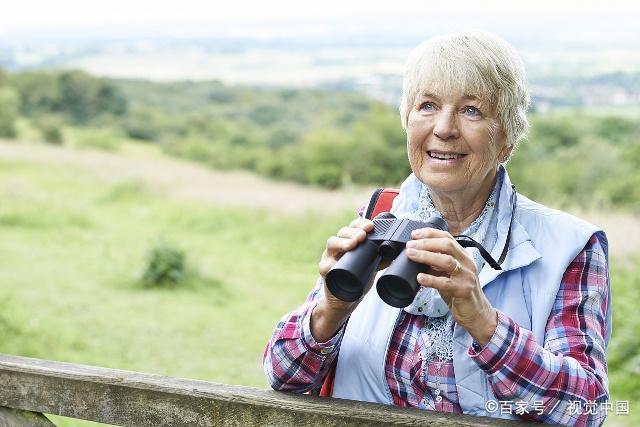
(454, 78)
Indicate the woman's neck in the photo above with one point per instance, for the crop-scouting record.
(461, 208)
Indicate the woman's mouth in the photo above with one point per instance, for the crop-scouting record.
(448, 157)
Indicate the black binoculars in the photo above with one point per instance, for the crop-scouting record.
(387, 241)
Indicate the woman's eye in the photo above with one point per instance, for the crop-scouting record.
(472, 111)
(427, 106)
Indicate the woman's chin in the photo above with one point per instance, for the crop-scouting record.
(439, 181)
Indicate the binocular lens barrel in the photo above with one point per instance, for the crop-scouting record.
(398, 286)
(351, 274)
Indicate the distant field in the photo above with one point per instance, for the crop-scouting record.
(75, 228)
(272, 66)
(306, 65)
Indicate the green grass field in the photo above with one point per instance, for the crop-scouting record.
(72, 252)
(73, 249)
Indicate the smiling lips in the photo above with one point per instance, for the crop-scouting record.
(440, 155)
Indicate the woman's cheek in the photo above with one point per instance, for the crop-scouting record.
(412, 151)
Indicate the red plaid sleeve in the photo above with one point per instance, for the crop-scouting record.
(293, 360)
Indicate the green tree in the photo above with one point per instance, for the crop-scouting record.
(618, 130)
(320, 158)
(9, 110)
(39, 92)
(379, 154)
(551, 132)
(78, 95)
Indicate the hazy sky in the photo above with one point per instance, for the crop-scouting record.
(259, 16)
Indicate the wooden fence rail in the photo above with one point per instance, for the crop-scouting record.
(29, 387)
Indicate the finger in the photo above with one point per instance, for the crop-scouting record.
(437, 244)
(442, 262)
(325, 264)
(363, 223)
(428, 232)
(443, 284)
(352, 233)
(338, 245)
(443, 245)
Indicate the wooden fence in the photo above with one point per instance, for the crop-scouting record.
(30, 387)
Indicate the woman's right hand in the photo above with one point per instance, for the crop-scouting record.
(331, 312)
(347, 238)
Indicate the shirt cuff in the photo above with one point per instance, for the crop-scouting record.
(500, 348)
(322, 348)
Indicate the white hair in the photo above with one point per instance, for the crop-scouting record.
(477, 63)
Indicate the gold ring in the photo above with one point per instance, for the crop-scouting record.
(457, 268)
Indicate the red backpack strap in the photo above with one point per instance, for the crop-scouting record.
(327, 385)
(381, 201)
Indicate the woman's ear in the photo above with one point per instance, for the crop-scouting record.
(505, 153)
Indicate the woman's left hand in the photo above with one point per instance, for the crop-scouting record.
(453, 273)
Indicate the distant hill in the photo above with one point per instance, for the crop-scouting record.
(573, 74)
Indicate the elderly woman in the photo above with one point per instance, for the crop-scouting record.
(526, 340)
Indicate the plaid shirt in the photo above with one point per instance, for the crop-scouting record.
(564, 380)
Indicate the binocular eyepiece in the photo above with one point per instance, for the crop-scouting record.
(398, 285)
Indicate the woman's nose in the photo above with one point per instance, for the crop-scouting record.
(446, 126)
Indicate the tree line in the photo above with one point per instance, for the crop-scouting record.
(317, 137)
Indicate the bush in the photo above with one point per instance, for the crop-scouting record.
(51, 130)
(166, 265)
(144, 124)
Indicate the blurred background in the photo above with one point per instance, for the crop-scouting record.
(169, 173)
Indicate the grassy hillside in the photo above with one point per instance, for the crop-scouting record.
(73, 251)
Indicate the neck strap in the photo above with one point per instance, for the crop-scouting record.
(467, 242)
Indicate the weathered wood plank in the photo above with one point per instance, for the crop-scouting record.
(17, 418)
(137, 399)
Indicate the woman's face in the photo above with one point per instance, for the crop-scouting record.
(454, 142)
